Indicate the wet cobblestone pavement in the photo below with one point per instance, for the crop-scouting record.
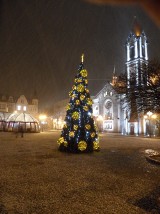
(36, 178)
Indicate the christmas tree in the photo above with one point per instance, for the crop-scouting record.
(79, 133)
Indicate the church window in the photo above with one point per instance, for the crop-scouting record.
(105, 94)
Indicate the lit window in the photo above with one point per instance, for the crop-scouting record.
(24, 108)
(18, 108)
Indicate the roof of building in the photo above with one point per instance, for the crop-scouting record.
(21, 117)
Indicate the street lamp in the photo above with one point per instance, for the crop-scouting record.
(42, 119)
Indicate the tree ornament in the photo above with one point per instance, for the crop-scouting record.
(84, 73)
(68, 107)
(89, 101)
(82, 145)
(86, 82)
(74, 87)
(87, 90)
(82, 97)
(95, 145)
(76, 79)
(70, 93)
(71, 134)
(65, 126)
(79, 80)
(75, 115)
(75, 127)
(77, 102)
(65, 143)
(87, 126)
(73, 96)
(93, 134)
(60, 140)
(85, 108)
(80, 88)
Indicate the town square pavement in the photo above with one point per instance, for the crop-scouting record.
(35, 178)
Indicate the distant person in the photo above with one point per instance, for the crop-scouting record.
(21, 130)
(16, 132)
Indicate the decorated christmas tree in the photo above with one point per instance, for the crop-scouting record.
(79, 133)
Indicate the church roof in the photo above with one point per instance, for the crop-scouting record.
(108, 87)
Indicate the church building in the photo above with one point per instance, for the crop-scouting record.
(107, 109)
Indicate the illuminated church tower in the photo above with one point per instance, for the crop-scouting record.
(137, 52)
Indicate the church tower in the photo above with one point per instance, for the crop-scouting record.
(136, 53)
(114, 78)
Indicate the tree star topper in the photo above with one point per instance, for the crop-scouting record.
(82, 58)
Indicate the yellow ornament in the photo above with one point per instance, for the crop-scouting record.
(85, 108)
(65, 143)
(75, 115)
(68, 107)
(87, 90)
(93, 134)
(76, 80)
(89, 101)
(60, 140)
(70, 93)
(75, 127)
(77, 102)
(84, 73)
(65, 126)
(71, 134)
(79, 80)
(87, 126)
(80, 88)
(86, 82)
(73, 96)
(95, 145)
(82, 97)
(74, 87)
(82, 145)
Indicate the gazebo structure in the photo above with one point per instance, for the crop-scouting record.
(3, 118)
(16, 121)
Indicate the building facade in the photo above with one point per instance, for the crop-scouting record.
(16, 113)
(108, 111)
(10, 104)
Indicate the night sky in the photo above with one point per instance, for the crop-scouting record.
(41, 42)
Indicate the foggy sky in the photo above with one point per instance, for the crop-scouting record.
(41, 42)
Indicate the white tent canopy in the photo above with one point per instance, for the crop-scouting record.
(17, 121)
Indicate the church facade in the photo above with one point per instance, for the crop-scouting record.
(108, 112)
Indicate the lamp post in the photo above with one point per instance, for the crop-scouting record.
(42, 119)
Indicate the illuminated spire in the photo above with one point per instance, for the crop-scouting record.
(114, 77)
(137, 30)
(82, 58)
